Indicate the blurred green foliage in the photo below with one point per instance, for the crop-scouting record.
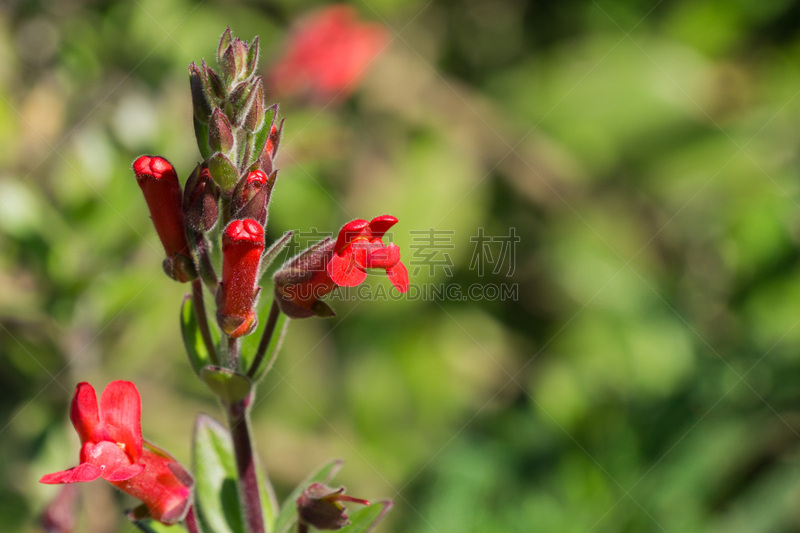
(644, 379)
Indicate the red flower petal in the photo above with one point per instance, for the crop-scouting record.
(380, 225)
(121, 410)
(123, 473)
(82, 472)
(350, 231)
(344, 270)
(384, 257)
(398, 275)
(85, 415)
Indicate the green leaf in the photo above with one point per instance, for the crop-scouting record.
(288, 515)
(269, 501)
(192, 339)
(364, 519)
(250, 342)
(216, 494)
(223, 172)
(151, 526)
(228, 385)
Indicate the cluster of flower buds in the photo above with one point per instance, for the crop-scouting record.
(238, 137)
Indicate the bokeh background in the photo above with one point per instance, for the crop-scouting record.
(643, 372)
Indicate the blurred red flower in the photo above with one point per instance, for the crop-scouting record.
(327, 55)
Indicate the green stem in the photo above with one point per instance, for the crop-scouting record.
(233, 353)
(246, 467)
(266, 337)
(204, 266)
(202, 320)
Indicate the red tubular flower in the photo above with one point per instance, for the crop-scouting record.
(360, 247)
(112, 448)
(328, 54)
(242, 245)
(162, 192)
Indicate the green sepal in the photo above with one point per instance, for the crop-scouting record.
(223, 172)
(224, 41)
(288, 515)
(201, 133)
(193, 339)
(229, 386)
(216, 497)
(151, 526)
(269, 255)
(262, 134)
(364, 519)
(252, 58)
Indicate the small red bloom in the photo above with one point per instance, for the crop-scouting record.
(162, 192)
(112, 448)
(360, 247)
(328, 54)
(242, 245)
(321, 507)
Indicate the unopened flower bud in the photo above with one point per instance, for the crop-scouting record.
(254, 118)
(240, 100)
(242, 245)
(215, 85)
(321, 507)
(224, 42)
(200, 102)
(220, 133)
(162, 192)
(200, 199)
(251, 196)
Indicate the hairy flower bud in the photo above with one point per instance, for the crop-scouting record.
(303, 280)
(200, 101)
(251, 196)
(162, 192)
(321, 507)
(242, 245)
(220, 133)
(200, 199)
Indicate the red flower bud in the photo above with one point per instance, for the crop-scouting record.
(321, 507)
(162, 192)
(242, 245)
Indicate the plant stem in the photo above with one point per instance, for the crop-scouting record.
(246, 467)
(266, 337)
(233, 353)
(202, 319)
(204, 266)
(190, 521)
(302, 527)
